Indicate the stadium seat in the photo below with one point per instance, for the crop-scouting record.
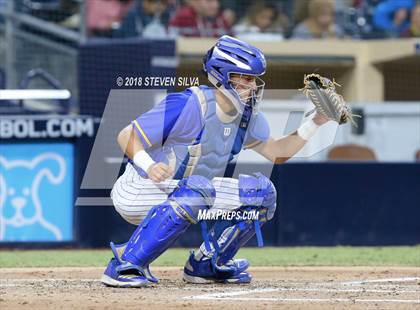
(417, 156)
(351, 152)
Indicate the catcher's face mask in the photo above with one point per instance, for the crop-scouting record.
(248, 88)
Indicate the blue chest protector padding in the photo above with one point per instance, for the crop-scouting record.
(216, 145)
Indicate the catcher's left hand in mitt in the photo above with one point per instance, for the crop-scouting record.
(328, 103)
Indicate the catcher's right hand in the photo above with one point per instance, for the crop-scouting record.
(328, 103)
(159, 172)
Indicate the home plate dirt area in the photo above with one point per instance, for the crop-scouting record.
(272, 287)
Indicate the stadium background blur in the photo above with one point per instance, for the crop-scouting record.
(362, 190)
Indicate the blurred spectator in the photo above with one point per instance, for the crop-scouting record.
(199, 18)
(103, 17)
(357, 19)
(300, 11)
(235, 10)
(148, 18)
(320, 22)
(414, 28)
(392, 16)
(230, 17)
(262, 22)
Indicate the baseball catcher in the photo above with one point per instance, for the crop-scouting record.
(178, 152)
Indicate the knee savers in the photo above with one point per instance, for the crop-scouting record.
(257, 193)
(167, 221)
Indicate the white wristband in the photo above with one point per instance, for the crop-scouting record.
(307, 130)
(143, 160)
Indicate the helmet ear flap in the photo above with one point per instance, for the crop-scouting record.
(205, 59)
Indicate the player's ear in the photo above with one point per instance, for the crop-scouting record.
(205, 59)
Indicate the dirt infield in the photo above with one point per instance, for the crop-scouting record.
(272, 287)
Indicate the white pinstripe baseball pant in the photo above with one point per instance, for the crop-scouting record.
(133, 196)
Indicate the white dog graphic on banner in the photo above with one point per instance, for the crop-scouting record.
(20, 205)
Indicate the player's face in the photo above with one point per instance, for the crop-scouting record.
(244, 85)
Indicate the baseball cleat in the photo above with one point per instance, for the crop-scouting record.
(242, 278)
(128, 278)
(203, 271)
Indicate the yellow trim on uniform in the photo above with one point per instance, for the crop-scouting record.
(142, 132)
(184, 213)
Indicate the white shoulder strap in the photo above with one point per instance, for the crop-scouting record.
(201, 98)
(194, 150)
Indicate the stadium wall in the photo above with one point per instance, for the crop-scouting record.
(318, 204)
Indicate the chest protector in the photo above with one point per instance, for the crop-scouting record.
(217, 143)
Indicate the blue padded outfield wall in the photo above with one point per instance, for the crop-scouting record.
(318, 204)
(351, 204)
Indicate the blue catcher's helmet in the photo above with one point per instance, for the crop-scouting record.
(231, 55)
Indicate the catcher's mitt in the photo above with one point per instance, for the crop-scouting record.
(321, 91)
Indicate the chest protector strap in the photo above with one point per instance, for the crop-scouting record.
(194, 150)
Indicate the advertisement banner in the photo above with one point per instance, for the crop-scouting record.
(36, 192)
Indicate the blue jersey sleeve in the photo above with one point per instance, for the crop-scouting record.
(176, 118)
(258, 131)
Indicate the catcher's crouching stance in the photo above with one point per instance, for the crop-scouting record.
(173, 169)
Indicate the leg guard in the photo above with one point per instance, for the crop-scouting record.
(258, 194)
(165, 223)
